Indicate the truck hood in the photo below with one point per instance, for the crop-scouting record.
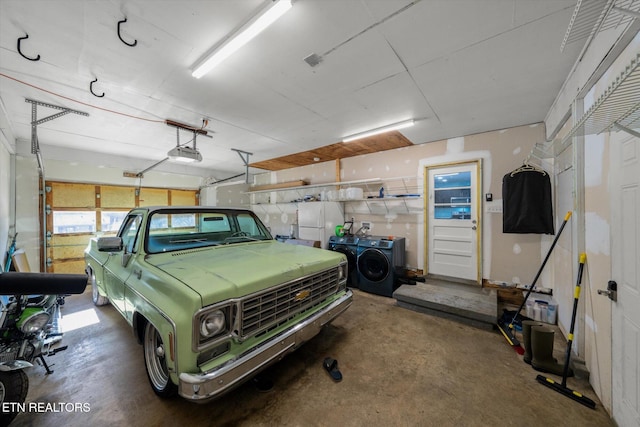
(231, 271)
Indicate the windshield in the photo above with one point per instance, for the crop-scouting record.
(180, 229)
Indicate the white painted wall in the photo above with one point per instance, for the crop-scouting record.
(27, 209)
(62, 164)
(5, 202)
(231, 195)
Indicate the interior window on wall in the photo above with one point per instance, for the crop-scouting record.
(66, 222)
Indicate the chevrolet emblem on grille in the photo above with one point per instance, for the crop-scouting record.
(302, 295)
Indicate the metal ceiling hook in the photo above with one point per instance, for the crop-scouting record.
(135, 42)
(37, 58)
(91, 89)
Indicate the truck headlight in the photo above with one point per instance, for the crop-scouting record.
(342, 272)
(212, 324)
(33, 320)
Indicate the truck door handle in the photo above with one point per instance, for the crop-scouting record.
(137, 273)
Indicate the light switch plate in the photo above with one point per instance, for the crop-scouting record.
(493, 207)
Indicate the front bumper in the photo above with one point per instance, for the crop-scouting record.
(206, 386)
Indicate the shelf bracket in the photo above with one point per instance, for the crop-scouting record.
(242, 155)
(35, 121)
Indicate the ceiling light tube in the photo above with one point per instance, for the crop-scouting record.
(240, 37)
(376, 131)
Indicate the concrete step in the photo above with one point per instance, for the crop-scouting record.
(468, 304)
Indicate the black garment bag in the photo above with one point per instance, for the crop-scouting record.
(526, 201)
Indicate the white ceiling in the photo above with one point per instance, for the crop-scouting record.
(459, 66)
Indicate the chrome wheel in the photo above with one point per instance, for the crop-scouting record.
(95, 295)
(156, 363)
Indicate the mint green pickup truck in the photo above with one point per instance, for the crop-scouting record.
(209, 294)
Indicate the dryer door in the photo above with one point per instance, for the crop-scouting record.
(374, 265)
(351, 256)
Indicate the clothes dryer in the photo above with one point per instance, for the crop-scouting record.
(347, 245)
(381, 261)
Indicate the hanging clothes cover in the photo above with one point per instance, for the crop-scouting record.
(526, 205)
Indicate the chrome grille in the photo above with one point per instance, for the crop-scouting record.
(267, 310)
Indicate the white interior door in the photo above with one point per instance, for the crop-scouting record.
(625, 255)
(453, 222)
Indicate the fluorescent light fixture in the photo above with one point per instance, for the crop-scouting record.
(184, 155)
(242, 36)
(376, 131)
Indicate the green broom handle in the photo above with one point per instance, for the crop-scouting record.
(576, 296)
(546, 258)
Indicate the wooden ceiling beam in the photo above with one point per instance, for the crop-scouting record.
(339, 150)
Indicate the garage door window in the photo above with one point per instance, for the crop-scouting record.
(112, 220)
(68, 222)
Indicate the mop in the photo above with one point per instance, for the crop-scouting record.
(562, 388)
(507, 330)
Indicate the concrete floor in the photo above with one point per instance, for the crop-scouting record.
(400, 368)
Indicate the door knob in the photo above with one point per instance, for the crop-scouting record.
(611, 292)
(474, 227)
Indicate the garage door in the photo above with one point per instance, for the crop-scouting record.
(78, 212)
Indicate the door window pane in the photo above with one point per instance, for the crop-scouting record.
(129, 233)
(452, 195)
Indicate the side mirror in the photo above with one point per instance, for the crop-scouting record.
(110, 244)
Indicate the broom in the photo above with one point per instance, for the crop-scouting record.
(562, 388)
(507, 330)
